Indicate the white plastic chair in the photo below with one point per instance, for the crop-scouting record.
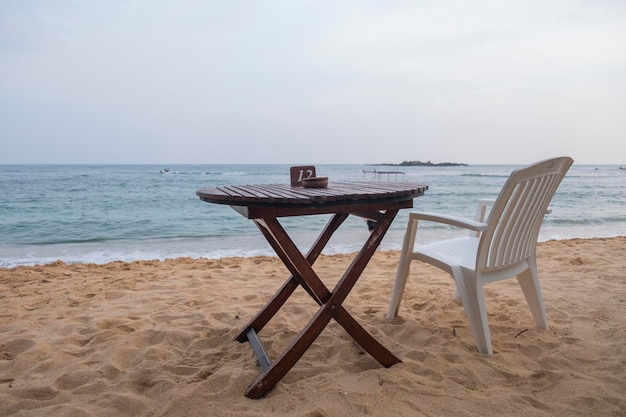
(502, 247)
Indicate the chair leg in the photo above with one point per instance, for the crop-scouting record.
(473, 298)
(457, 296)
(403, 269)
(529, 282)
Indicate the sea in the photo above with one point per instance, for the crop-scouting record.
(103, 213)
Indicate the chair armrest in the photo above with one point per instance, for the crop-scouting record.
(484, 206)
(451, 220)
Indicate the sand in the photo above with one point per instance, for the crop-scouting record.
(155, 339)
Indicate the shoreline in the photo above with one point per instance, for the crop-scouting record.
(262, 250)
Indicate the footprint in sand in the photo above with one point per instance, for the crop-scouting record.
(9, 350)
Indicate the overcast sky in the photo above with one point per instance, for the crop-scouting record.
(154, 81)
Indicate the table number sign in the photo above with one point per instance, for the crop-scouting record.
(300, 173)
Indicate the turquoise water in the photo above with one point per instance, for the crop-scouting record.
(101, 213)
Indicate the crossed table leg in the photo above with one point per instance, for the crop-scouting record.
(330, 302)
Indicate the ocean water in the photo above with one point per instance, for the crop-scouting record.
(102, 213)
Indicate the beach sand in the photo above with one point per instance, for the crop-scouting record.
(154, 338)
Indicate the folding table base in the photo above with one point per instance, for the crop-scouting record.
(330, 302)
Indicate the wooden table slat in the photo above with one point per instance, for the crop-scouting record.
(283, 192)
(246, 192)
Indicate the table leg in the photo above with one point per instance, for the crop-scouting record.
(364, 339)
(281, 296)
(330, 303)
(347, 282)
(279, 367)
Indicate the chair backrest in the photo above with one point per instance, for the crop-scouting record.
(516, 216)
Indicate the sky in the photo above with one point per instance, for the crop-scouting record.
(312, 82)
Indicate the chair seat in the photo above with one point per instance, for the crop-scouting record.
(451, 252)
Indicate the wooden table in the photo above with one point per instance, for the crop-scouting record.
(264, 204)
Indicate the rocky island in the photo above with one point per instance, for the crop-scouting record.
(425, 164)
